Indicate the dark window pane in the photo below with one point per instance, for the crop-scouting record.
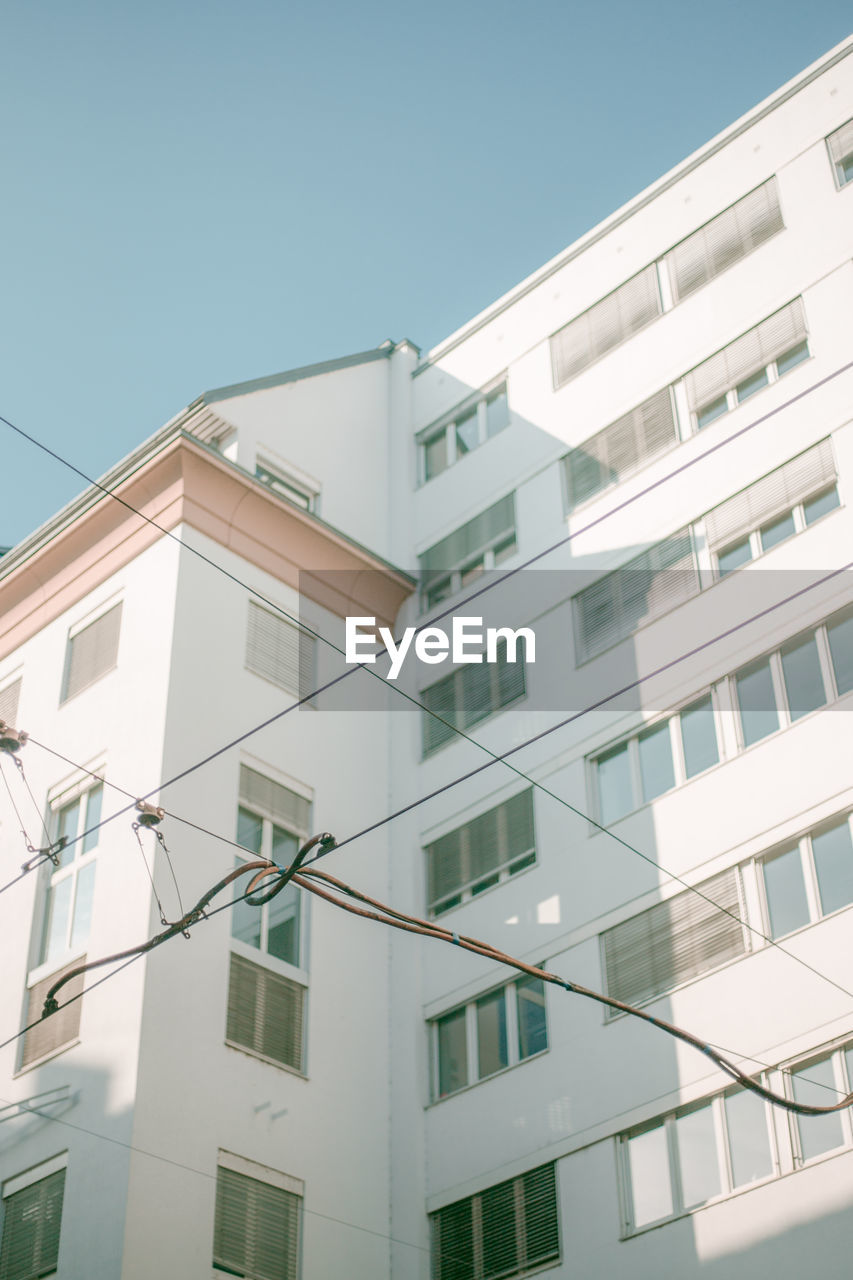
(245, 920)
(452, 1053)
(833, 858)
(840, 636)
(491, 1033)
(453, 1242)
(500, 1237)
(699, 737)
(777, 531)
(734, 556)
(250, 830)
(786, 893)
(532, 1027)
(750, 385)
(803, 679)
(709, 412)
(758, 714)
(656, 761)
(497, 412)
(792, 358)
(820, 505)
(283, 925)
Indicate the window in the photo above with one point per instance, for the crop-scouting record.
(817, 1082)
(695, 1155)
(297, 492)
(605, 325)
(840, 146)
(482, 543)
(265, 1004)
(676, 940)
(621, 448)
(772, 509)
(650, 584)
(278, 650)
(724, 240)
(32, 1217)
(809, 880)
(473, 857)
(760, 356)
(654, 761)
(257, 1222)
(468, 695)
(68, 902)
(91, 653)
(9, 703)
(497, 1030)
(272, 822)
(501, 1232)
(471, 424)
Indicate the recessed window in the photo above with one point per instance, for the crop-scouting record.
(91, 653)
(750, 385)
(777, 531)
(475, 422)
(279, 650)
(296, 491)
(801, 671)
(814, 878)
(474, 857)
(32, 1219)
(482, 543)
(727, 238)
(468, 695)
(790, 359)
(840, 145)
(70, 892)
(820, 505)
(621, 448)
(756, 700)
(815, 1085)
(257, 1222)
(495, 1031)
(505, 1231)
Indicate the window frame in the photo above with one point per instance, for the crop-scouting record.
(456, 681)
(843, 1083)
(840, 177)
(23, 1182)
(509, 990)
(509, 867)
(285, 484)
(476, 406)
(771, 370)
(77, 629)
(811, 882)
(753, 536)
(229, 1163)
(298, 971)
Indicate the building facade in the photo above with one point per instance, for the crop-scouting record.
(658, 423)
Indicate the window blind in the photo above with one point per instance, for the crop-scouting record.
(265, 1012)
(724, 240)
(91, 653)
(840, 143)
(500, 1232)
(469, 695)
(9, 703)
(479, 848)
(808, 473)
(651, 584)
(59, 1028)
(674, 940)
(32, 1219)
(605, 325)
(284, 806)
(473, 538)
(620, 448)
(747, 354)
(256, 1228)
(277, 649)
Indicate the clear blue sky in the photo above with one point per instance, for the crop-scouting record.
(200, 193)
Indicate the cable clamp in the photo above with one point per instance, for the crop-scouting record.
(11, 740)
(150, 815)
(51, 1005)
(51, 851)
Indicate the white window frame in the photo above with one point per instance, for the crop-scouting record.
(468, 889)
(731, 396)
(446, 428)
(293, 487)
(116, 602)
(233, 1163)
(835, 1055)
(472, 1047)
(259, 955)
(754, 535)
(810, 878)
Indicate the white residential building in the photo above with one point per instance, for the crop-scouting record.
(661, 420)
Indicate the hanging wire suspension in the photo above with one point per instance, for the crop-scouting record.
(11, 742)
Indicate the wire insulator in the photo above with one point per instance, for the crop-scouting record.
(149, 814)
(11, 740)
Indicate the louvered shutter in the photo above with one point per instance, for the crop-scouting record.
(9, 703)
(605, 325)
(91, 653)
(782, 489)
(747, 354)
(256, 1229)
(281, 804)
(541, 1228)
(440, 698)
(472, 539)
(510, 678)
(840, 145)
(265, 1012)
(58, 1028)
(275, 647)
(503, 1231)
(724, 240)
(32, 1219)
(486, 844)
(453, 1242)
(675, 940)
(646, 587)
(621, 448)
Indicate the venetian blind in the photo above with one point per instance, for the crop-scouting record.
(620, 448)
(265, 1012)
(473, 538)
(91, 653)
(605, 325)
(284, 806)
(468, 695)
(675, 940)
(32, 1219)
(9, 703)
(724, 240)
(750, 352)
(774, 493)
(479, 848)
(58, 1028)
(502, 1231)
(273, 648)
(256, 1228)
(647, 586)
